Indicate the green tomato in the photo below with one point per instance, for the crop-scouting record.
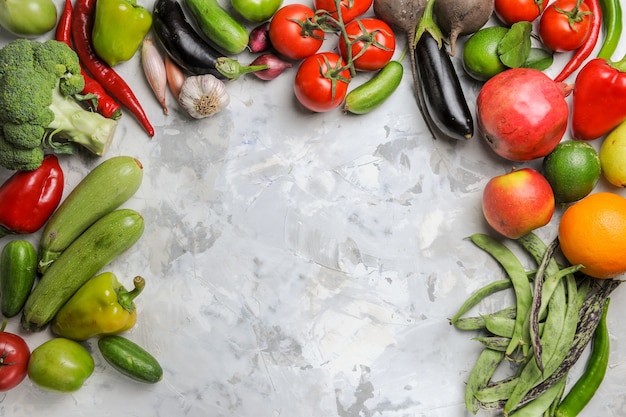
(256, 10)
(28, 18)
(60, 365)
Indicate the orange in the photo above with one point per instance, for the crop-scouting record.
(592, 232)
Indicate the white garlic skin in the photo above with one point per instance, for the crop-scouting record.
(203, 95)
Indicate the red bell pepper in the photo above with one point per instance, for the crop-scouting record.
(599, 98)
(28, 198)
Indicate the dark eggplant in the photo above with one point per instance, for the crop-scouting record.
(440, 92)
(182, 43)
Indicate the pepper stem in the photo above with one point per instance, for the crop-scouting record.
(126, 298)
(232, 69)
(618, 65)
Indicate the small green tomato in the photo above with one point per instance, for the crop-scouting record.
(28, 18)
(256, 10)
(60, 365)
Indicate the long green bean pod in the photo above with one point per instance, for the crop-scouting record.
(521, 287)
(589, 382)
(612, 27)
(590, 315)
(484, 368)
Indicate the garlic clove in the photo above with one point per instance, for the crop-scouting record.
(203, 95)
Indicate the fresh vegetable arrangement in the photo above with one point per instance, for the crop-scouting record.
(521, 113)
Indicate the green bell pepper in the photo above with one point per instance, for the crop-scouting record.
(102, 306)
(119, 27)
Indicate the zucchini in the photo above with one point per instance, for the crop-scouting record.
(96, 247)
(220, 28)
(101, 191)
(130, 359)
(18, 270)
(374, 92)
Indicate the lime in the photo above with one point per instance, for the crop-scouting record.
(613, 156)
(572, 169)
(480, 53)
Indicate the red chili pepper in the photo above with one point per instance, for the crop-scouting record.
(584, 51)
(599, 98)
(102, 102)
(28, 198)
(82, 25)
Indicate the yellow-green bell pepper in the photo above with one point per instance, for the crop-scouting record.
(119, 27)
(102, 306)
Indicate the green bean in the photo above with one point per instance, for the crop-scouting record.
(497, 392)
(500, 326)
(612, 24)
(536, 301)
(589, 382)
(531, 374)
(521, 287)
(494, 342)
(540, 404)
(484, 368)
(590, 314)
(478, 322)
(480, 294)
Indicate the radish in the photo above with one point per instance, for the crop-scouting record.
(522, 113)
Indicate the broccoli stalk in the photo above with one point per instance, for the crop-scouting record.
(73, 125)
(40, 83)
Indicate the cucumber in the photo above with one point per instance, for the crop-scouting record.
(130, 359)
(96, 247)
(18, 270)
(101, 191)
(220, 28)
(374, 92)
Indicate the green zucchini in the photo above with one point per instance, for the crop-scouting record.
(89, 253)
(18, 270)
(374, 92)
(130, 359)
(101, 191)
(220, 28)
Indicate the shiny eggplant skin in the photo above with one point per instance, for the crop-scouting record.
(180, 40)
(442, 96)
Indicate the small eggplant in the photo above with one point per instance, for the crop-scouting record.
(183, 44)
(441, 90)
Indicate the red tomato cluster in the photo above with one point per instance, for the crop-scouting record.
(564, 25)
(297, 32)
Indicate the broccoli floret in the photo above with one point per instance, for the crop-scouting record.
(40, 84)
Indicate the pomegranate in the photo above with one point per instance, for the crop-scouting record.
(522, 113)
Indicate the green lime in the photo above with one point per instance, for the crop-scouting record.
(572, 169)
(480, 53)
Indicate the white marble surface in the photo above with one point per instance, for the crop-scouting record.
(299, 264)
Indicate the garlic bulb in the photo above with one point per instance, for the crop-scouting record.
(203, 95)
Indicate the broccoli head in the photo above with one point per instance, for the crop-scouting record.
(40, 84)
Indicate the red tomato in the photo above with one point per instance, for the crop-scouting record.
(374, 43)
(565, 25)
(513, 11)
(14, 356)
(350, 9)
(293, 33)
(321, 82)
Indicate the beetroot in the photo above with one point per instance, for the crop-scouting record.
(522, 113)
